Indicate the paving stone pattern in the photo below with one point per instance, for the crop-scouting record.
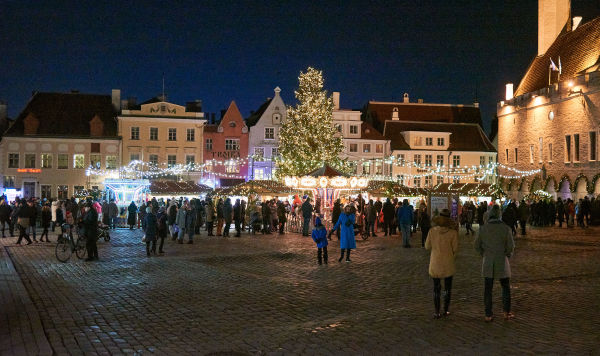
(266, 295)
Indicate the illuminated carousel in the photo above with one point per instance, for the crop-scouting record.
(326, 184)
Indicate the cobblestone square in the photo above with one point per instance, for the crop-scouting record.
(265, 294)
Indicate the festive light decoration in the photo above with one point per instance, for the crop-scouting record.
(307, 138)
(308, 182)
(127, 190)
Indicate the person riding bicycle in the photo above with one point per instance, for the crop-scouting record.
(90, 231)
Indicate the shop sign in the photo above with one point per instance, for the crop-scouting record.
(29, 170)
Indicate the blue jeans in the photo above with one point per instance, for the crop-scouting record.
(405, 228)
(305, 226)
(114, 222)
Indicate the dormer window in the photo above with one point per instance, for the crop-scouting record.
(429, 141)
(418, 141)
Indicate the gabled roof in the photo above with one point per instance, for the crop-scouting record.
(67, 115)
(463, 137)
(255, 116)
(379, 112)
(368, 132)
(232, 114)
(578, 51)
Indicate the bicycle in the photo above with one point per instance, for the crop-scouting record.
(66, 245)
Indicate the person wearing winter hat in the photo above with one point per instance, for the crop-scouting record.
(319, 236)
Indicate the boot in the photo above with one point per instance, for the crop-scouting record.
(319, 258)
(348, 256)
(342, 256)
(325, 256)
(447, 295)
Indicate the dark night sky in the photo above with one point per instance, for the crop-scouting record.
(219, 51)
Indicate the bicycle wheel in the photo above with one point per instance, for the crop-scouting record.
(63, 250)
(80, 249)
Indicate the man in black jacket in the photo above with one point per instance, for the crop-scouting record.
(90, 231)
(5, 211)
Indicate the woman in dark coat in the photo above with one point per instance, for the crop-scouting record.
(151, 231)
(161, 228)
(227, 215)
(46, 218)
(132, 215)
(335, 215)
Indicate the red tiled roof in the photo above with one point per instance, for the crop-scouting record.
(379, 112)
(67, 114)
(464, 137)
(578, 50)
(368, 132)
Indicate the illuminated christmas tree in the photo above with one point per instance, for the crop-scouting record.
(307, 139)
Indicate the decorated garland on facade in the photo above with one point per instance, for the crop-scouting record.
(580, 176)
(564, 178)
(547, 181)
(533, 181)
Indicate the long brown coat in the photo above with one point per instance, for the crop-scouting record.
(442, 240)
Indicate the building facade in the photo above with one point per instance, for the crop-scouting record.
(364, 146)
(47, 150)
(461, 151)
(226, 150)
(163, 135)
(550, 125)
(264, 125)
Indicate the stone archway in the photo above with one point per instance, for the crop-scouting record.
(551, 186)
(596, 184)
(580, 187)
(564, 188)
(523, 189)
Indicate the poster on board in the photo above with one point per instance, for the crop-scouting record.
(437, 204)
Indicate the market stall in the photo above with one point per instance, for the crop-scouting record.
(167, 189)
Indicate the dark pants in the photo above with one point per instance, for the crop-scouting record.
(370, 228)
(281, 226)
(151, 246)
(92, 248)
(238, 228)
(387, 226)
(560, 221)
(347, 256)
(424, 232)
(226, 229)
(23, 234)
(266, 227)
(209, 228)
(45, 232)
(437, 291)
(322, 255)
(523, 230)
(162, 242)
(10, 227)
(487, 295)
(305, 226)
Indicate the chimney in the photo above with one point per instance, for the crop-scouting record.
(131, 102)
(576, 22)
(553, 15)
(336, 100)
(116, 99)
(406, 99)
(509, 91)
(420, 101)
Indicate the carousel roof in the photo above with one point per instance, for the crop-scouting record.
(327, 171)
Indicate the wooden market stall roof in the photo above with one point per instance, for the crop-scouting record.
(168, 187)
(464, 189)
(260, 187)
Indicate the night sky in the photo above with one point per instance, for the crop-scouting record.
(219, 51)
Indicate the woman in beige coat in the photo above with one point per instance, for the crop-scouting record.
(442, 240)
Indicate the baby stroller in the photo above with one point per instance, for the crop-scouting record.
(255, 222)
(360, 231)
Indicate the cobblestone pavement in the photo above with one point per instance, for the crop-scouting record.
(267, 295)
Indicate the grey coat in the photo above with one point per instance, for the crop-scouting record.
(495, 243)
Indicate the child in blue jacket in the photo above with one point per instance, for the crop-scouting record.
(319, 235)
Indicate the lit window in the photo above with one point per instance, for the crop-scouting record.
(154, 134)
(172, 134)
(259, 153)
(209, 144)
(78, 161)
(13, 160)
(401, 159)
(9, 182)
(269, 133)
(30, 160)
(46, 160)
(171, 160)
(366, 168)
(366, 148)
(440, 160)
(274, 152)
(482, 161)
(456, 161)
(428, 160)
(63, 161)
(191, 135)
(417, 160)
(63, 192)
(379, 148)
(95, 160)
(232, 144)
(111, 162)
(46, 191)
(353, 147)
(135, 133)
(378, 168)
(232, 167)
